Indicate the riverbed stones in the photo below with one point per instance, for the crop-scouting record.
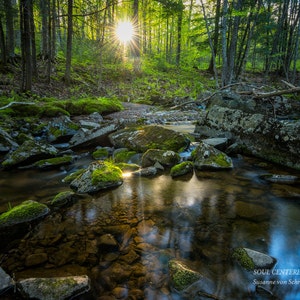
(29, 152)
(142, 138)
(206, 157)
(6, 142)
(98, 176)
(55, 288)
(251, 259)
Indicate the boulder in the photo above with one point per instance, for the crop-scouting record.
(279, 178)
(27, 211)
(165, 158)
(143, 138)
(61, 129)
(207, 157)
(6, 282)
(183, 168)
(262, 136)
(90, 137)
(56, 288)
(54, 162)
(250, 259)
(98, 176)
(29, 152)
(63, 199)
(145, 172)
(6, 142)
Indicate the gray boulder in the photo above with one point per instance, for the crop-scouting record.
(261, 136)
(6, 281)
(165, 158)
(6, 141)
(140, 139)
(207, 157)
(29, 152)
(90, 137)
(57, 288)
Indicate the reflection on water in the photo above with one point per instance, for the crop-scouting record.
(124, 238)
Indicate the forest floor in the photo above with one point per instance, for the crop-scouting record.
(154, 85)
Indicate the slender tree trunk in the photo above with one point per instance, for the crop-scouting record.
(26, 45)
(215, 37)
(69, 43)
(2, 46)
(32, 39)
(224, 43)
(179, 31)
(10, 36)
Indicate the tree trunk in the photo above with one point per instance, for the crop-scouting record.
(224, 43)
(10, 36)
(26, 84)
(179, 31)
(69, 43)
(2, 46)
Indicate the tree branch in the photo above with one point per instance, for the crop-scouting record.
(14, 102)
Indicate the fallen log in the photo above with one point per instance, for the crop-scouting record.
(15, 102)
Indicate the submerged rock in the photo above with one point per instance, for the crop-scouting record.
(63, 199)
(181, 276)
(250, 259)
(206, 157)
(57, 288)
(143, 138)
(276, 178)
(29, 152)
(98, 176)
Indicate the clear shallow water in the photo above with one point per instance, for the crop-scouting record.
(198, 219)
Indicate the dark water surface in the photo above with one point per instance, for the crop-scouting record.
(198, 219)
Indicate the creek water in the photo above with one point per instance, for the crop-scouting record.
(198, 219)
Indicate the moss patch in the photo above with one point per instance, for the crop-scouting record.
(123, 155)
(25, 212)
(243, 258)
(52, 162)
(101, 153)
(181, 275)
(182, 168)
(73, 175)
(108, 173)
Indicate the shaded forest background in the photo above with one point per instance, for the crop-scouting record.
(71, 44)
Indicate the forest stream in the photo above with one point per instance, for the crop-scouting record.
(198, 219)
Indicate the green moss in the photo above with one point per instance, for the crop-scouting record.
(221, 160)
(25, 212)
(182, 276)
(100, 153)
(56, 161)
(74, 175)
(243, 258)
(109, 173)
(123, 155)
(182, 168)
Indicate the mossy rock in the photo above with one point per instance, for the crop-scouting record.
(63, 199)
(101, 153)
(181, 276)
(183, 168)
(98, 176)
(142, 138)
(54, 162)
(29, 152)
(25, 212)
(165, 158)
(207, 157)
(72, 176)
(123, 155)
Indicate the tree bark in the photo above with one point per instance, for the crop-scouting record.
(69, 43)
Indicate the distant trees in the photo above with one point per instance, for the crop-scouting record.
(227, 37)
